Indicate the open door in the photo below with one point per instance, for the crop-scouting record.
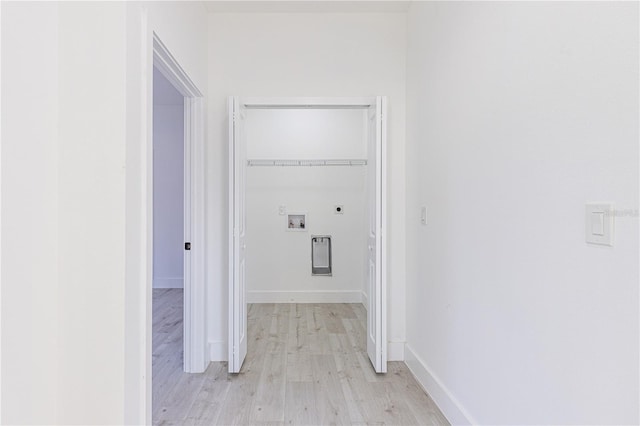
(237, 232)
(376, 190)
(376, 279)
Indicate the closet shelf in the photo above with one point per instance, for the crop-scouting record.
(310, 163)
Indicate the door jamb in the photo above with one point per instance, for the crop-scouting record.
(195, 342)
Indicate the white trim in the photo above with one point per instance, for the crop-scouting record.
(164, 61)
(231, 308)
(195, 341)
(395, 351)
(381, 102)
(306, 163)
(337, 296)
(0, 222)
(448, 404)
(218, 351)
(365, 299)
(353, 102)
(168, 282)
(139, 224)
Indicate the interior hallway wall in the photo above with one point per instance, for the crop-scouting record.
(72, 190)
(518, 115)
(294, 54)
(29, 212)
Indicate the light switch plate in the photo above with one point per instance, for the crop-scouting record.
(599, 223)
(423, 215)
(282, 210)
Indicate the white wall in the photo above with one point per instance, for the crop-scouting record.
(305, 133)
(91, 206)
(29, 212)
(293, 54)
(279, 260)
(168, 185)
(72, 175)
(518, 115)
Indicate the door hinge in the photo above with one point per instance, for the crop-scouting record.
(187, 246)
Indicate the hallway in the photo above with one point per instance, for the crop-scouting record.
(306, 365)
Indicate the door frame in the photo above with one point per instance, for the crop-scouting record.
(320, 103)
(194, 325)
(144, 49)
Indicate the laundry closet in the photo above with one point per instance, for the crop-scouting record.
(307, 209)
(306, 214)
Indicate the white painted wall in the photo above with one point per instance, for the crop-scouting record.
(294, 54)
(91, 211)
(72, 179)
(29, 212)
(279, 260)
(168, 185)
(518, 115)
(305, 133)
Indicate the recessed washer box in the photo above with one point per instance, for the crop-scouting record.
(297, 222)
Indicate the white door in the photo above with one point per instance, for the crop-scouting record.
(376, 280)
(237, 232)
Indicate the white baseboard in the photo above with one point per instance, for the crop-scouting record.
(395, 351)
(365, 299)
(448, 404)
(164, 282)
(339, 296)
(218, 351)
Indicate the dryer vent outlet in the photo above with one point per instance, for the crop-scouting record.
(321, 255)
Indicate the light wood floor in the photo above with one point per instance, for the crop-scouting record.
(306, 365)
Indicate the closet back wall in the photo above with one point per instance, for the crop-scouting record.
(279, 260)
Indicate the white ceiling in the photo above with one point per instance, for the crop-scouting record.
(307, 6)
(163, 92)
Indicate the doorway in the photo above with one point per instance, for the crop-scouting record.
(330, 140)
(192, 239)
(170, 260)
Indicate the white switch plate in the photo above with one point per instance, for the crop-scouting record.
(423, 215)
(599, 224)
(282, 210)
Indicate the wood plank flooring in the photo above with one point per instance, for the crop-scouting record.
(306, 365)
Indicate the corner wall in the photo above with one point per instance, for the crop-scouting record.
(518, 115)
